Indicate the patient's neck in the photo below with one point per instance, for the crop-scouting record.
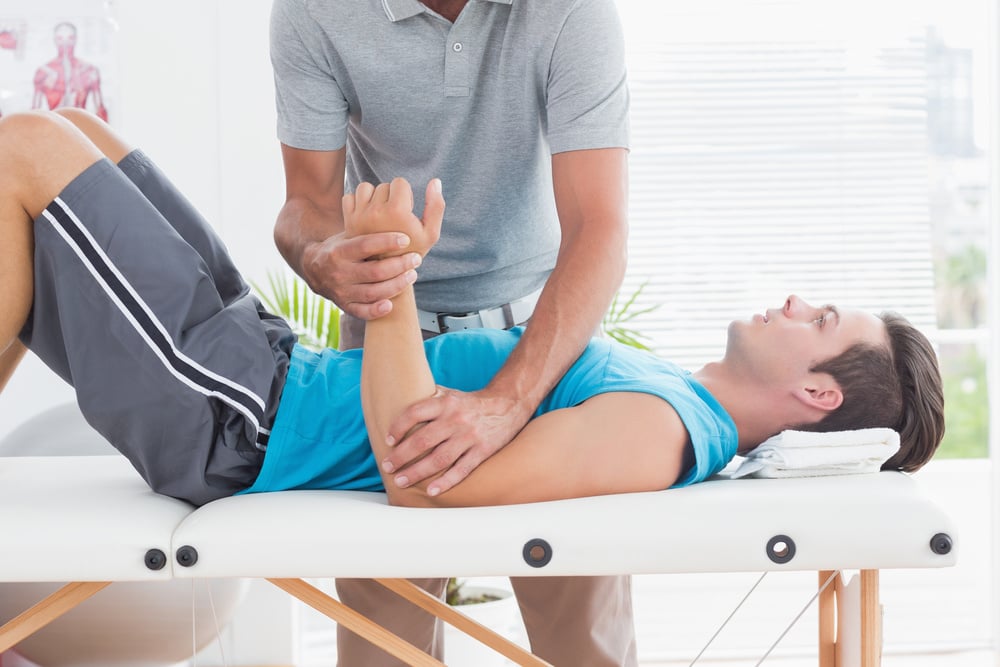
(757, 411)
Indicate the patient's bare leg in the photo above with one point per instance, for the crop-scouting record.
(100, 133)
(9, 359)
(40, 153)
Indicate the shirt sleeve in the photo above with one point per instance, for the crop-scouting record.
(311, 108)
(587, 95)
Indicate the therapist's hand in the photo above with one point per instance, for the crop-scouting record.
(458, 431)
(383, 242)
(340, 268)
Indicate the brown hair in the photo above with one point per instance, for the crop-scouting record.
(897, 387)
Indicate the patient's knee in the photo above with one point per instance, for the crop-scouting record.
(25, 126)
(98, 132)
(34, 136)
(76, 116)
(59, 123)
(40, 153)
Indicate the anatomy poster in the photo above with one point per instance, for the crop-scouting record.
(58, 53)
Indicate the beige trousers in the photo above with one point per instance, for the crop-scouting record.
(571, 621)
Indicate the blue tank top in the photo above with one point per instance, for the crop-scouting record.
(319, 440)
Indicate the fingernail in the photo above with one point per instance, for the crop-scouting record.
(387, 466)
(403, 240)
(436, 185)
(402, 480)
(411, 277)
(417, 260)
(433, 491)
(389, 440)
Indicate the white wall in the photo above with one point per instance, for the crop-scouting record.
(194, 90)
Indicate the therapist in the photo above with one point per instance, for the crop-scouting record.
(520, 108)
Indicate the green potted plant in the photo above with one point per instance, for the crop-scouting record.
(314, 319)
(487, 602)
(622, 311)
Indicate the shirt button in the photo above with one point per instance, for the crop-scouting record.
(457, 47)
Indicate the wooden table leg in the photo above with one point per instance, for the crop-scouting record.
(357, 623)
(871, 620)
(827, 620)
(859, 621)
(52, 607)
(448, 614)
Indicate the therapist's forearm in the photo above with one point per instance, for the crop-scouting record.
(569, 312)
(591, 193)
(312, 212)
(300, 224)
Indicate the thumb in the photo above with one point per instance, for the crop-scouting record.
(433, 207)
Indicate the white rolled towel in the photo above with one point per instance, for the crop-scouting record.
(808, 454)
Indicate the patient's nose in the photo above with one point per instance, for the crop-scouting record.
(790, 304)
(795, 305)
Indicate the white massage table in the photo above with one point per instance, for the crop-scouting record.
(91, 520)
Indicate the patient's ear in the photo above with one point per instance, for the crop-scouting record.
(821, 391)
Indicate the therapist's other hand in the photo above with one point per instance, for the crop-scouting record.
(458, 431)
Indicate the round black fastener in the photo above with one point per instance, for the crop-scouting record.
(537, 552)
(187, 556)
(781, 549)
(941, 544)
(155, 559)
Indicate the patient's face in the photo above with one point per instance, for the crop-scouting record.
(784, 343)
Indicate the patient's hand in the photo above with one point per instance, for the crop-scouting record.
(388, 207)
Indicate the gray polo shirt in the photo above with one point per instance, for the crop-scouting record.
(482, 103)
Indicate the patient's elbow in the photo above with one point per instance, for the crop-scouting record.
(413, 496)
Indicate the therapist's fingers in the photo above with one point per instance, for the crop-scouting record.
(438, 459)
(457, 431)
(414, 415)
(458, 471)
(451, 460)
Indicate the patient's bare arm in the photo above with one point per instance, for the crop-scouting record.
(612, 443)
(395, 372)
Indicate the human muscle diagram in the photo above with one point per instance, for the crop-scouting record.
(57, 54)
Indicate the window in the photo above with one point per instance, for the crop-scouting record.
(837, 150)
(827, 149)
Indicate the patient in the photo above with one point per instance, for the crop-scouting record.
(121, 288)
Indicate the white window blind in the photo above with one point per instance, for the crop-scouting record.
(777, 147)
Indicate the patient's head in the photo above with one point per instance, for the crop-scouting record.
(896, 386)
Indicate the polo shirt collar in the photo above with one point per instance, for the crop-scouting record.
(397, 10)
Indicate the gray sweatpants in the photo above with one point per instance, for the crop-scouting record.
(138, 306)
